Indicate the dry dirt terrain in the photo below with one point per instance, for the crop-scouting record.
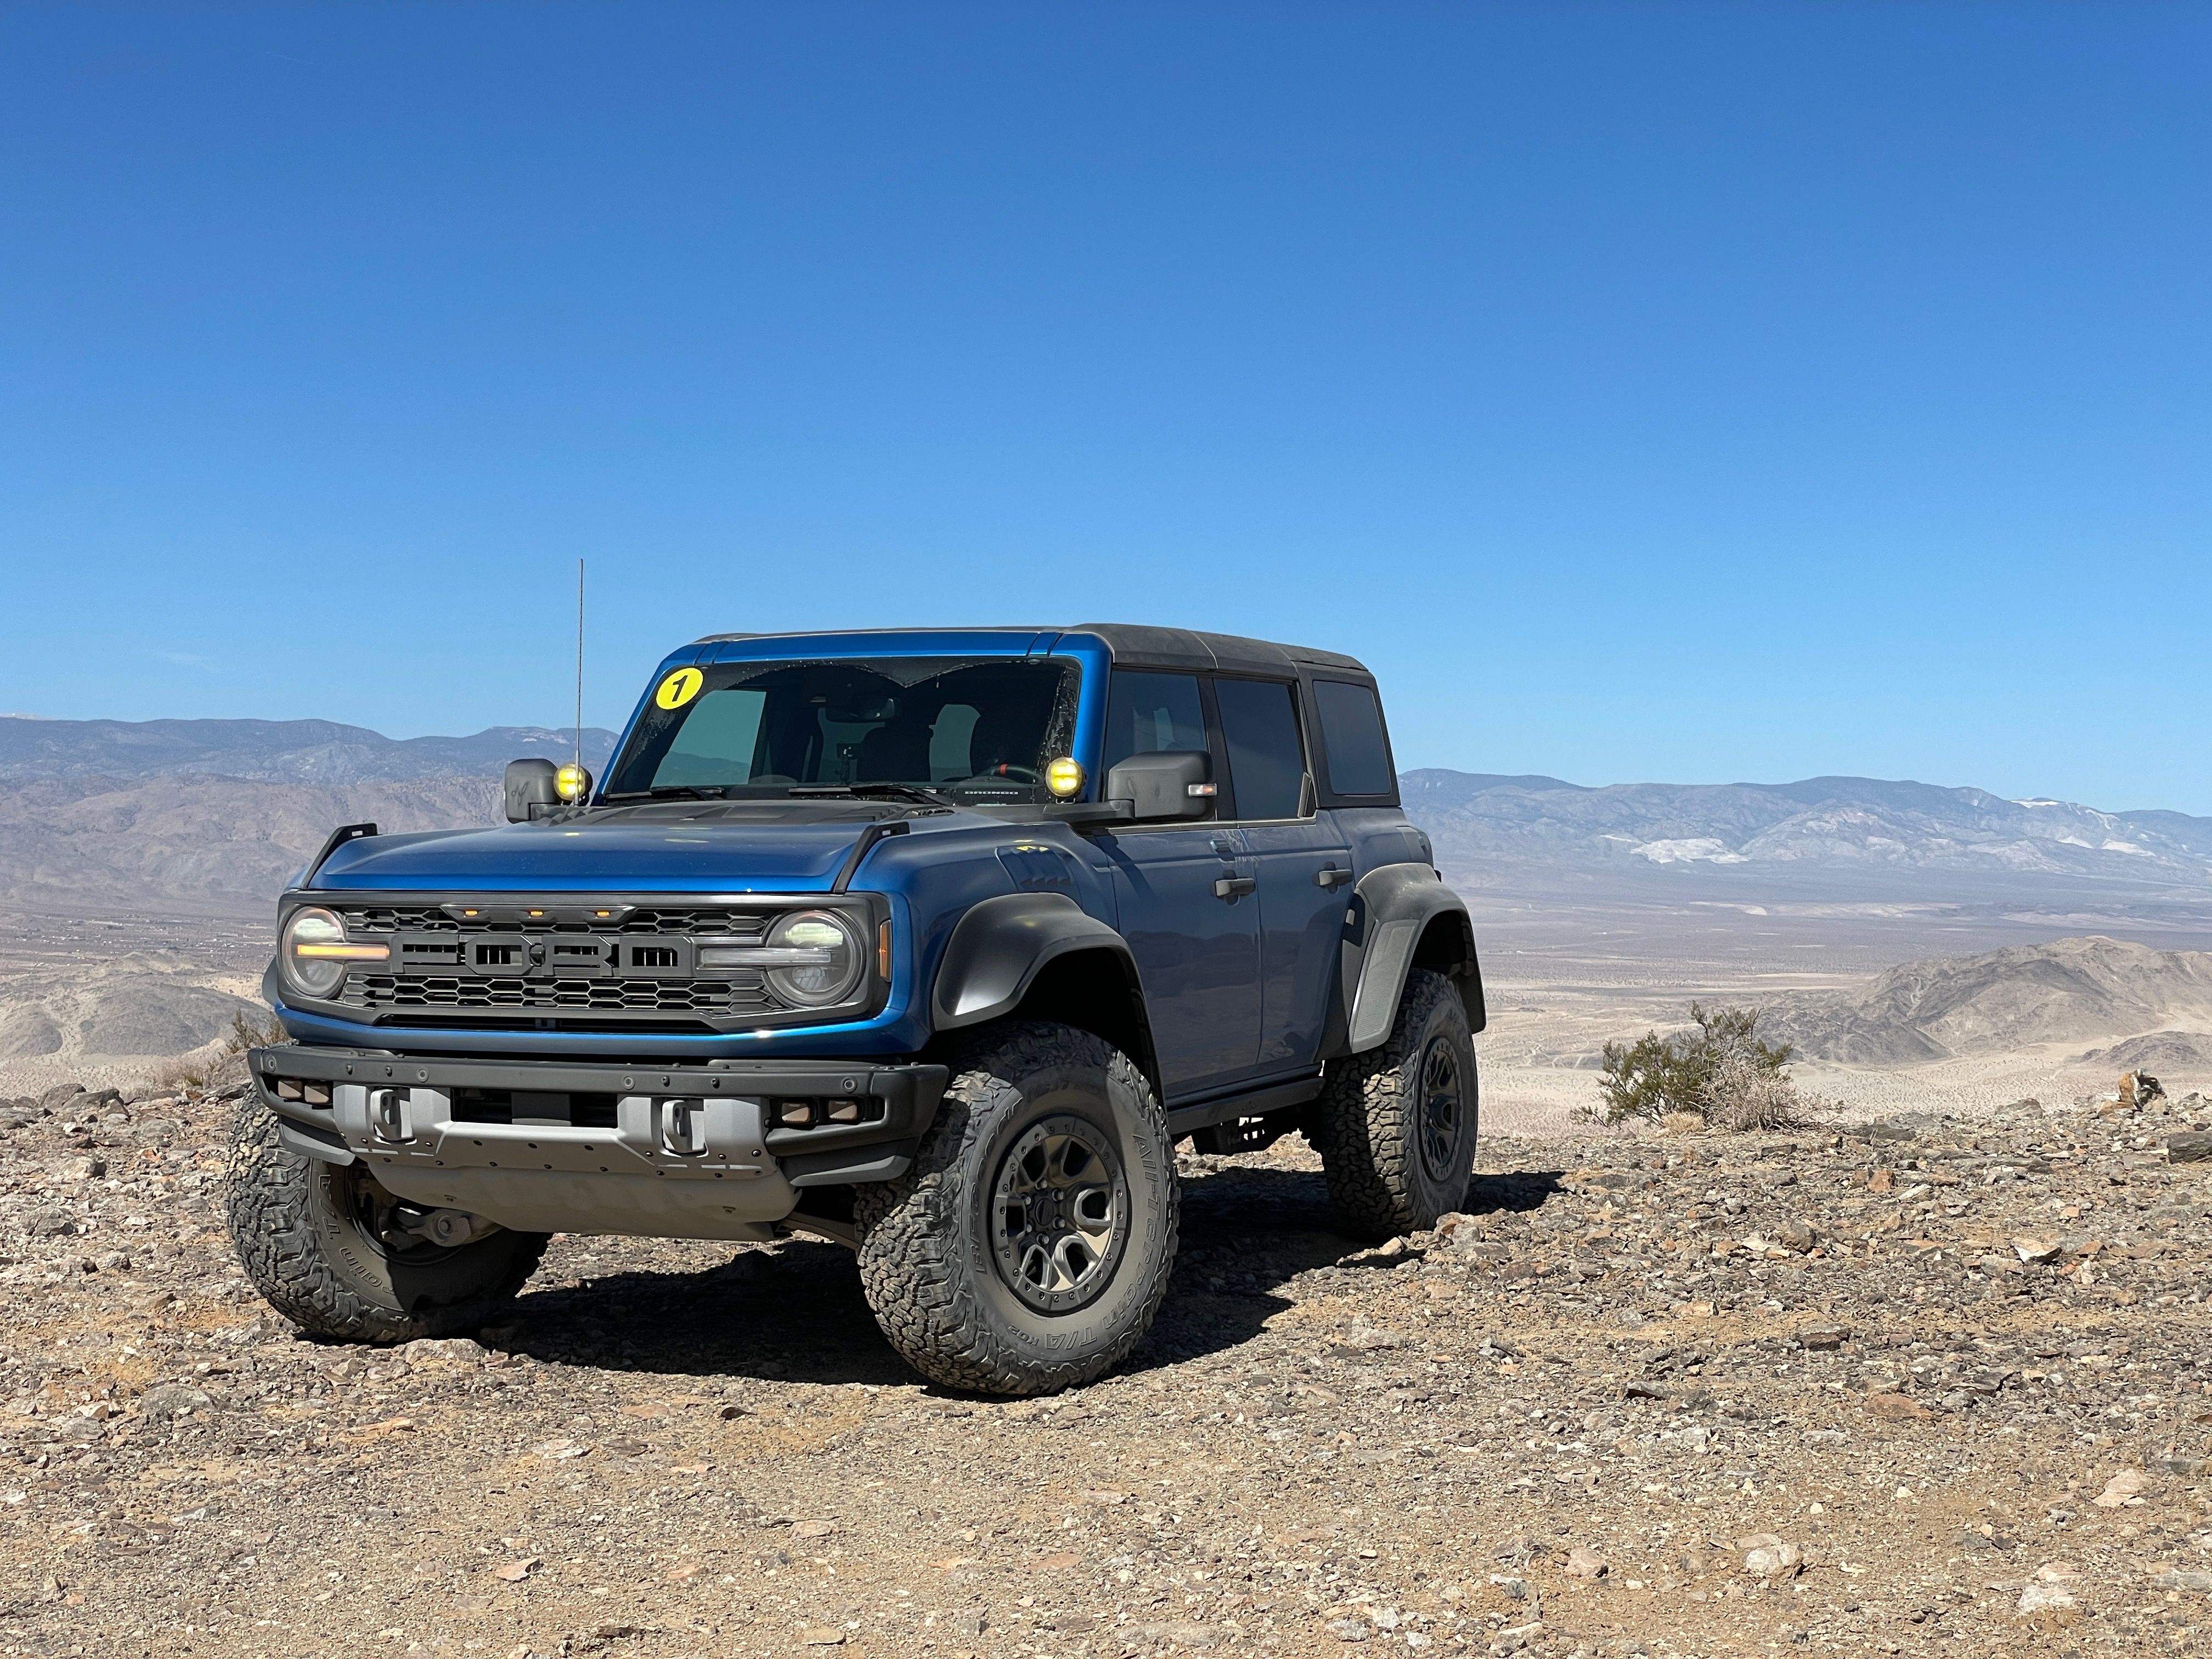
(1922, 1386)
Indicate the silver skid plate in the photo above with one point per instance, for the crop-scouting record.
(670, 1167)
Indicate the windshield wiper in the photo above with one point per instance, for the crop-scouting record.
(907, 791)
(669, 792)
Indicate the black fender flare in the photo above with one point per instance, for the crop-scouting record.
(1393, 909)
(1000, 946)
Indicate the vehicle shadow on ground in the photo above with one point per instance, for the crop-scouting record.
(791, 1313)
(794, 1313)
(1518, 1191)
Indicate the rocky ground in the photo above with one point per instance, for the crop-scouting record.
(1920, 1386)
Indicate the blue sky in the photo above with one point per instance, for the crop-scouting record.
(1652, 392)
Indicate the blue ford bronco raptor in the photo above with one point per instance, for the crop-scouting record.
(931, 942)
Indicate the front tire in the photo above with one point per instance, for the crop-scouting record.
(319, 1241)
(1395, 1125)
(1030, 1246)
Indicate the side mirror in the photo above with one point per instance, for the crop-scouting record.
(531, 789)
(1162, 785)
(535, 788)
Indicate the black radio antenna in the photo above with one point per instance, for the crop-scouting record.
(580, 665)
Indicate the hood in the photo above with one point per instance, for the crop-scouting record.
(695, 850)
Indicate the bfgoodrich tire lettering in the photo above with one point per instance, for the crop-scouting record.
(301, 1231)
(1395, 1126)
(941, 1263)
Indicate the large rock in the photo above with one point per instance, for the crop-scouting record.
(2190, 1146)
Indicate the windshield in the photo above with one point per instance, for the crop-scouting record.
(976, 731)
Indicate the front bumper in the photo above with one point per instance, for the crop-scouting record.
(672, 1151)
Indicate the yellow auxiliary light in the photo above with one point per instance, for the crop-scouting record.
(572, 783)
(1064, 777)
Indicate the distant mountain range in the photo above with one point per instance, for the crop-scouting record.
(271, 751)
(214, 814)
(1490, 829)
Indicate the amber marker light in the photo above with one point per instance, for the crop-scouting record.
(884, 950)
(1064, 777)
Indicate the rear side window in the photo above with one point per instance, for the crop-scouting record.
(1351, 732)
(1267, 760)
(1153, 714)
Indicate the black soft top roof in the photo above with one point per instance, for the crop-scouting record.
(1135, 646)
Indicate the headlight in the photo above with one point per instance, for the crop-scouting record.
(314, 952)
(818, 959)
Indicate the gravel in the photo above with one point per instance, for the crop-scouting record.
(1684, 1395)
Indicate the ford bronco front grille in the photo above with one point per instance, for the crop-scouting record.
(561, 959)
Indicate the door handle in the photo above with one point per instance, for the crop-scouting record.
(1331, 878)
(1230, 887)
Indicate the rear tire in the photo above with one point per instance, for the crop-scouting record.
(1030, 1246)
(308, 1234)
(1395, 1126)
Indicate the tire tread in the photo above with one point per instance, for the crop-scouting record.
(922, 1296)
(267, 1198)
(1362, 1123)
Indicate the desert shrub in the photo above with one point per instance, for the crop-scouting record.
(1743, 1094)
(246, 1032)
(221, 1061)
(1721, 1070)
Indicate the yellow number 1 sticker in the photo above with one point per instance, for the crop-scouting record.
(679, 688)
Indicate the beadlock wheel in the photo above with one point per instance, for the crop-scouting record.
(1438, 1108)
(1059, 1214)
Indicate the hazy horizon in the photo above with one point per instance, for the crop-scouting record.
(609, 733)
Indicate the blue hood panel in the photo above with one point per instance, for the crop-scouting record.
(601, 858)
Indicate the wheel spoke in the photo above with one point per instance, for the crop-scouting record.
(1073, 1257)
(1036, 1266)
(1092, 1211)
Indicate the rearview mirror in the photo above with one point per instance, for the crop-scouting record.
(531, 789)
(1162, 785)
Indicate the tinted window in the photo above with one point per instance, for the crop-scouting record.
(717, 742)
(1152, 713)
(980, 731)
(1267, 761)
(1351, 731)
